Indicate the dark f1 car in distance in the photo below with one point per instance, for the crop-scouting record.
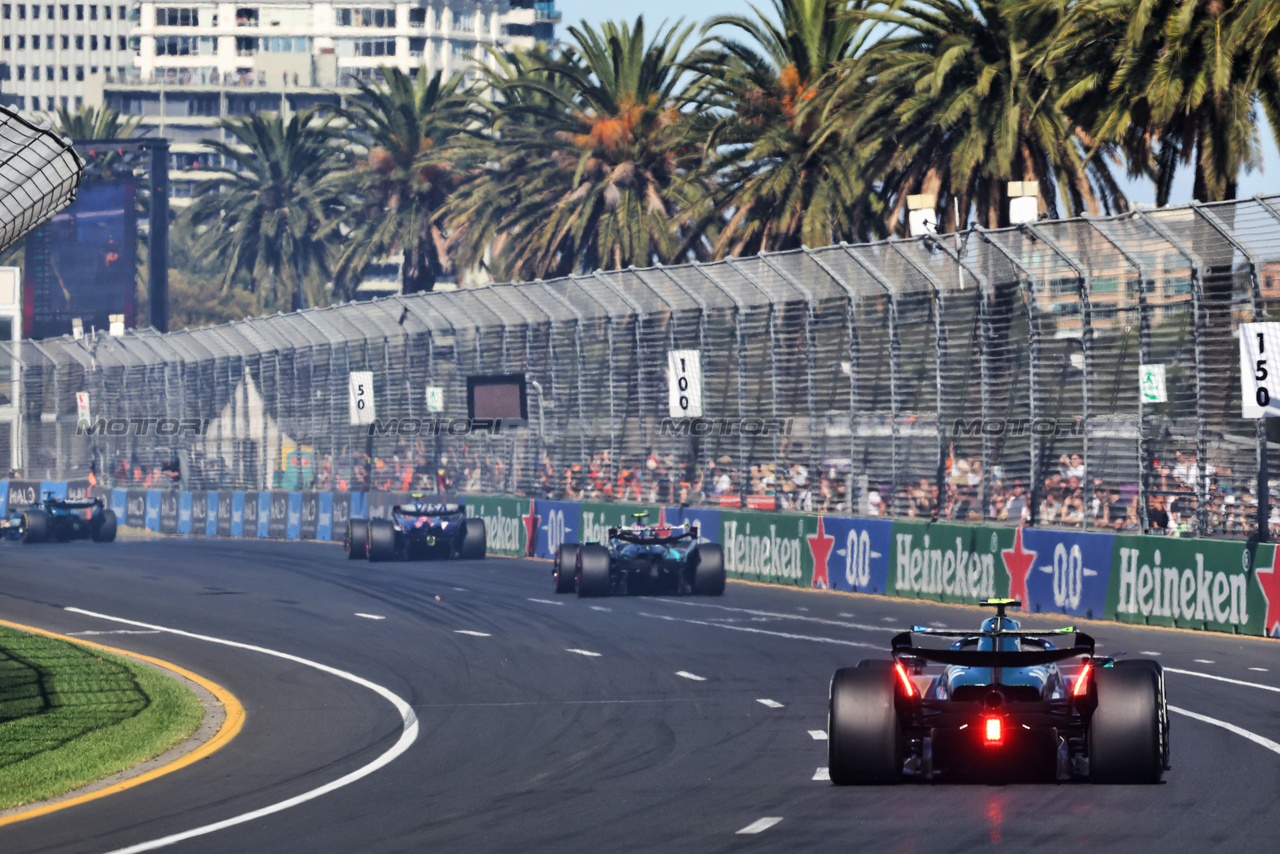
(641, 559)
(418, 531)
(1001, 703)
(61, 520)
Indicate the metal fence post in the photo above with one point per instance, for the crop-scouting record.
(1086, 332)
(811, 353)
(851, 329)
(1202, 462)
(939, 350)
(1263, 520)
(895, 381)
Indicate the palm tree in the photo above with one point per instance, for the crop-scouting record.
(263, 212)
(786, 179)
(1183, 89)
(394, 192)
(967, 95)
(94, 123)
(588, 164)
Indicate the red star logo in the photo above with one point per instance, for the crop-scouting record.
(530, 529)
(820, 547)
(1269, 578)
(1018, 563)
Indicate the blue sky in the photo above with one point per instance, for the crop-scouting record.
(655, 11)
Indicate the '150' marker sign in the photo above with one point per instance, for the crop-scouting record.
(1260, 370)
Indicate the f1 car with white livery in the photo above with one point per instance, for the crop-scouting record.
(418, 531)
(1005, 698)
(642, 558)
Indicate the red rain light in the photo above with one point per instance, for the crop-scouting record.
(992, 731)
(906, 680)
(1082, 681)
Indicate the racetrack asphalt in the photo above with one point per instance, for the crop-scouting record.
(566, 724)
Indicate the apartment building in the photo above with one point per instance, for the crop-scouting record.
(195, 64)
(50, 52)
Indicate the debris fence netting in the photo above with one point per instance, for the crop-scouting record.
(994, 375)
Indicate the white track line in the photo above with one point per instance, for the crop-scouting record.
(822, 774)
(773, 704)
(584, 652)
(473, 634)
(1203, 661)
(1260, 669)
(408, 735)
(599, 608)
(115, 632)
(370, 616)
(687, 675)
(818, 734)
(1252, 736)
(788, 635)
(778, 614)
(545, 601)
(760, 824)
(1223, 679)
(1147, 652)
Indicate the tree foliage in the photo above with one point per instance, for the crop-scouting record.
(804, 123)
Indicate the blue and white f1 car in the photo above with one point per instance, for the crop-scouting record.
(418, 531)
(1005, 702)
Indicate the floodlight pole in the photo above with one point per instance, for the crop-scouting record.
(158, 248)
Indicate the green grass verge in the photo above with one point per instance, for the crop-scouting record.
(72, 715)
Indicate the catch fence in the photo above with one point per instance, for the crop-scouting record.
(988, 375)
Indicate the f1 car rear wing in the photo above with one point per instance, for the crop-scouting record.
(676, 535)
(75, 504)
(1084, 644)
(434, 505)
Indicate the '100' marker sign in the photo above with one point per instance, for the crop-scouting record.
(684, 369)
(1260, 370)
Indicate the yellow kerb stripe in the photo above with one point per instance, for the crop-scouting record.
(230, 728)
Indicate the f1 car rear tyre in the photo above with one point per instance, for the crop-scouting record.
(1124, 732)
(1157, 673)
(707, 561)
(864, 733)
(592, 570)
(35, 526)
(566, 568)
(102, 527)
(382, 540)
(474, 540)
(357, 541)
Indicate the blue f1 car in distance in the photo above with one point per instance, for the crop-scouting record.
(61, 520)
(642, 559)
(418, 531)
(1002, 704)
